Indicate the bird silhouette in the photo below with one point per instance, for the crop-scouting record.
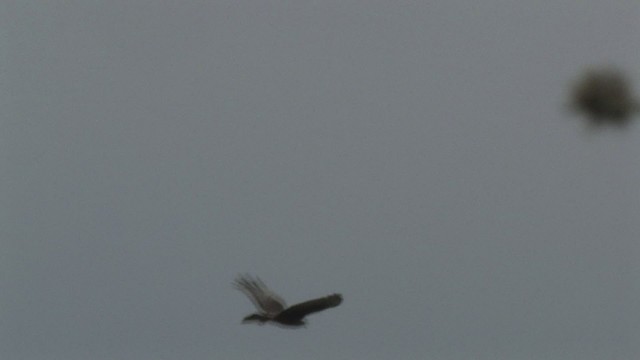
(273, 309)
(605, 96)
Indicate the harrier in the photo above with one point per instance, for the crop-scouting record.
(271, 307)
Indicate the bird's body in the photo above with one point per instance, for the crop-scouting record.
(605, 96)
(271, 307)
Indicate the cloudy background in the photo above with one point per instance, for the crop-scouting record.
(416, 156)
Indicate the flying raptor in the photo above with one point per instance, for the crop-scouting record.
(271, 307)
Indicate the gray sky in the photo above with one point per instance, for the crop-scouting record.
(415, 156)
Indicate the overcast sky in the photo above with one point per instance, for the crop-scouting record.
(416, 156)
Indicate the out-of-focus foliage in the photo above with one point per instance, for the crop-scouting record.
(604, 96)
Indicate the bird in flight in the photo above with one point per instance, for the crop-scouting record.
(271, 307)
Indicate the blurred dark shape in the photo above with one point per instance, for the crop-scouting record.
(605, 96)
(271, 307)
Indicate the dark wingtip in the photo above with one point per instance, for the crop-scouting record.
(336, 299)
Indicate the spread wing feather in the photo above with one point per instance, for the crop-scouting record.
(264, 299)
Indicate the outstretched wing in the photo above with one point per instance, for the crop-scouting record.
(305, 308)
(264, 299)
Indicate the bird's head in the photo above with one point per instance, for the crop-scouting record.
(259, 318)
